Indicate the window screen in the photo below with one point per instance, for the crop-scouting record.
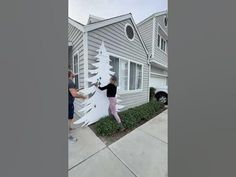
(139, 77)
(132, 76)
(123, 75)
(114, 62)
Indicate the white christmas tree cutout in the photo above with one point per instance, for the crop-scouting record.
(97, 106)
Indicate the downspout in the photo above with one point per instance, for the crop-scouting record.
(85, 45)
(151, 54)
(149, 74)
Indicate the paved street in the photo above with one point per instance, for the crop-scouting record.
(141, 153)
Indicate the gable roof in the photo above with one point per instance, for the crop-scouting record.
(76, 24)
(93, 18)
(105, 22)
(152, 16)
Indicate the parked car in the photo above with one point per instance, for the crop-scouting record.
(161, 94)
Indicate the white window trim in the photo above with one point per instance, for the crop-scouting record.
(159, 26)
(141, 89)
(162, 51)
(128, 77)
(129, 60)
(76, 53)
(159, 47)
(157, 74)
(126, 33)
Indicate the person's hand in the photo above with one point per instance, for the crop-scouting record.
(85, 97)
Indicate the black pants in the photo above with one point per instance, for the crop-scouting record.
(71, 111)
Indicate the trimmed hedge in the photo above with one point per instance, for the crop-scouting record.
(130, 118)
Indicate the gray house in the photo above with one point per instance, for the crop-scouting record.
(154, 32)
(127, 52)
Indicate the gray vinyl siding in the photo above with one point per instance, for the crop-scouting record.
(159, 55)
(160, 20)
(157, 70)
(146, 30)
(116, 42)
(76, 37)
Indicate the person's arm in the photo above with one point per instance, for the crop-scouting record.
(75, 94)
(103, 88)
(79, 89)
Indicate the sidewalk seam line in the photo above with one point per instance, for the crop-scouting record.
(152, 135)
(87, 158)
(122, 162)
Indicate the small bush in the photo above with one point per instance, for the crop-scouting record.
(131, 118)
(152, 93)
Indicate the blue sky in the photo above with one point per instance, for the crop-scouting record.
(140, 9)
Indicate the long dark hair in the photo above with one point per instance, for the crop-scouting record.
(114, 79)
(69, 73)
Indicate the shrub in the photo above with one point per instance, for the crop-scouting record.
(152, 93)
(131, 118)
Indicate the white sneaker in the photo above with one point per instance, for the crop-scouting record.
(72, 139)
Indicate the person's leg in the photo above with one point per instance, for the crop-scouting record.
(71, 116)
(114, 112)
(113, 109)
(70, 122)
(109, 111)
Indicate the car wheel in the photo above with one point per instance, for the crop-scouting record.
(162, 97)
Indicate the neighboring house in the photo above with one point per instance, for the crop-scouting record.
(154, 32)
(127, 52)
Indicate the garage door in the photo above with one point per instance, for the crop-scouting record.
(157, 81)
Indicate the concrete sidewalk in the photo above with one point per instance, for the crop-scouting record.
(141, 153)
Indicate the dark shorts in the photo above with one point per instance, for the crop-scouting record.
(71, 111)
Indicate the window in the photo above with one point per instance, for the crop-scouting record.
(120, 67)
(114, 62)
(165, 21)
(164, 46)
(129, 32)
(139, 77)
(135, 76)
(76, 68)
(132, 76)
(129, 74)
(158, 40)
(162, 43)
(123, 75)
